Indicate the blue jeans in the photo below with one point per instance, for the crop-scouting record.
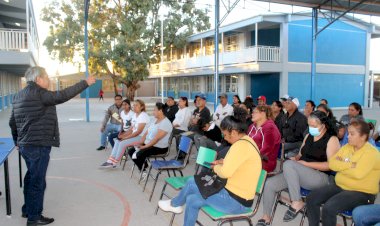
(367, 215)
(37, 161)
(110, 128)
(190, 195)
(111, 137)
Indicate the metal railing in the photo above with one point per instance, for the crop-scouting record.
(13, 40)
(246, 55)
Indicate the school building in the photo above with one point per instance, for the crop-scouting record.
(270, 55)
(19, 46)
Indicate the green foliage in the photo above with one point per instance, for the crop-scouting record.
(124, 35)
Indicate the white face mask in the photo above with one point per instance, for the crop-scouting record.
(314, 131)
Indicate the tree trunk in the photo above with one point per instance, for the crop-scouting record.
(131, 89)
(115, 82)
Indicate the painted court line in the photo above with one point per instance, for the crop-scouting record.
(123, 200)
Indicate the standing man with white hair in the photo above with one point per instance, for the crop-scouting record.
(34, 126)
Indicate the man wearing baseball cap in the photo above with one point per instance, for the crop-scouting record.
(223, 109)
(200, 112)
(261, 101)
(293, 127)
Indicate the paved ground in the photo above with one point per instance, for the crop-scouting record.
(79, 193)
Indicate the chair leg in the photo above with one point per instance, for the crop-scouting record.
(274, 207)
(133, 169)
(303, 216)
(147, 177)
(154, 185)
(161, 195)
(172, 219)
(344, 220)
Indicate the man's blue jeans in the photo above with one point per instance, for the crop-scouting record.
(367, 215)
(110, 128)
(190, 195)
(37, 161)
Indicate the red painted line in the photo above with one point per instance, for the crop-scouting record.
(127, 209)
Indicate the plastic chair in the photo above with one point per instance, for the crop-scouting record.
(346, 215)
(373, 121)
(185, 145)
(177, 183)
(304, 192)
(222, 218)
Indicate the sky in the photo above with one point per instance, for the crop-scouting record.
(244, 9)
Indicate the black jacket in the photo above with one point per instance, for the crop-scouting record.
(171, 111)
(34, 119)
(293, 127)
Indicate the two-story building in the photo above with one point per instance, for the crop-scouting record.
(270, 55)
(19, 46)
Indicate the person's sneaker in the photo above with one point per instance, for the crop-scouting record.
(42, 221)
(106, 165)
(101, 148)
(166, 205)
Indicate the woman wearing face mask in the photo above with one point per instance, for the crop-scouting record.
(309, 169)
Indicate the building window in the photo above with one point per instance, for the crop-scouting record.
(196, 84)
(184, 83)
(231, 83)
(209, 83)
(210, 46)
(231, 43)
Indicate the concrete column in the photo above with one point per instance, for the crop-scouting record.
(284, 42)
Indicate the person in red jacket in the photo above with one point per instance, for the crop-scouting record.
(266, 135)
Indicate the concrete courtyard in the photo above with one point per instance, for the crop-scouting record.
(79, 193)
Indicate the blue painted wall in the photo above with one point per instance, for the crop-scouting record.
(338, 44)
(1, 103)
(267, 85)
(183, 94)
(94, 90)
(6, 101)
(267, 37)
(340, 90)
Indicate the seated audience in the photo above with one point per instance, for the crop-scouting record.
(309, 169)
(155, 140)
(201, 112)
(241, 167)
(309, 107)
(266, 136)
(323, 101)
(114, 125)
(292, 127)
(284, 101)
(248, 110)
(223, 110)
(126, 115)
(171, 108)
(354, 111)
(249, 101)
(324, 108)
(367, 215)
(134, 134)
(277, 112)
(357, 167)
(261, 100)
(236, 101)
(182, 119)
(212, 136)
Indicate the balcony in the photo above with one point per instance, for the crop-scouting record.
(249, 55)
(18, 50)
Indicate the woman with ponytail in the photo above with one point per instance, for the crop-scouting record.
(309, 169)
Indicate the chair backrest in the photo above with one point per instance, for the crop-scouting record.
(261, 182)
(185, 144)
(205, 155)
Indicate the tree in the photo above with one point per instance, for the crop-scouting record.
(124, 35)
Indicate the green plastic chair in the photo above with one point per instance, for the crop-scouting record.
(222, 218)
(177, 183)
(373, 121)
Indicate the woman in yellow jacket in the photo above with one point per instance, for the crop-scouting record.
(241, 167)
(356, 182)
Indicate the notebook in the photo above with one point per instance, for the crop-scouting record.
(205, 155)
